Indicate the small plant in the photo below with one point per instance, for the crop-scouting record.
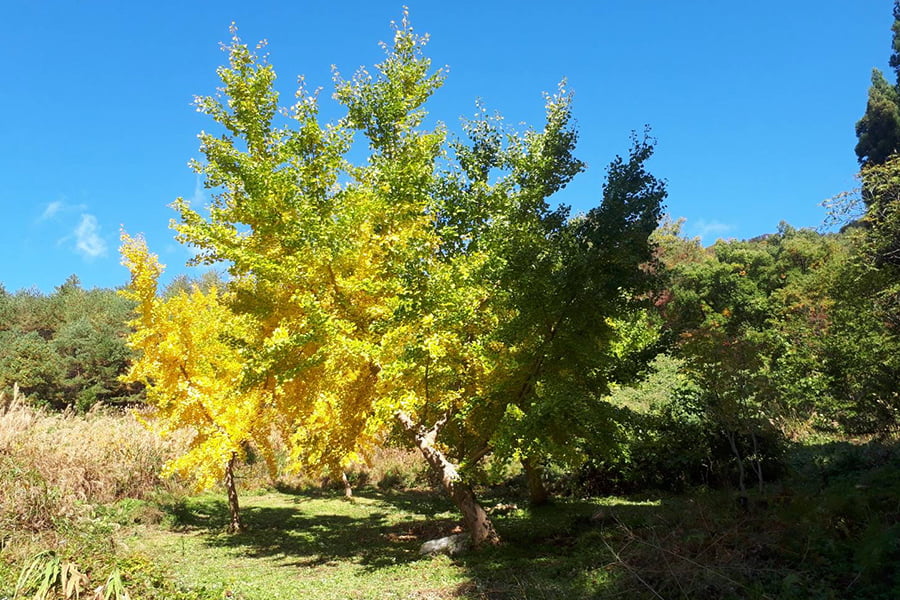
(113, 589)
(48, 576)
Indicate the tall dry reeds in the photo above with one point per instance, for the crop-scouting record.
(51, 464)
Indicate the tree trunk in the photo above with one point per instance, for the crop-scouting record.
(348, 489)
(236, 525)
(732, 440)
(758, 466)
(476, 520)
(537, 492)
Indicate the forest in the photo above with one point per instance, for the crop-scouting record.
(416, 375)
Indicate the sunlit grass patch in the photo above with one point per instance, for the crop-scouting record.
(324, 546)
(306, 546)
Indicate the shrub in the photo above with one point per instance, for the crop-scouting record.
(665, 451)
(669, 439)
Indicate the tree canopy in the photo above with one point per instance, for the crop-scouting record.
(432, 287)
(878, 131)
(66, 349)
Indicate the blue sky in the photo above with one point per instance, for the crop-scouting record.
(753, 104)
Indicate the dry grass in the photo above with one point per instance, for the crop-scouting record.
(53, 464)
(392, 468)
(387, 468)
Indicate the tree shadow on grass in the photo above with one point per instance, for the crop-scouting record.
(424, 502)
(555, 551)
(558, 551)
(827, 530)
(303, 537)
(676, 547)
(698, 544)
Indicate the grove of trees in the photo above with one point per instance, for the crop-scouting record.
(66, 349)
(433, 291)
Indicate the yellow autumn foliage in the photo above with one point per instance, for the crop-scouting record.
(190, 362)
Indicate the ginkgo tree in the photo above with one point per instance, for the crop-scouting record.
(432, 286)
(193, 375)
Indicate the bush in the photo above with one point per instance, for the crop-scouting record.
(668, 439)
(843, 521)
(663, 451)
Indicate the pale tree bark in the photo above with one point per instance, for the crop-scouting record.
(757, 463)
(236, 525)
(732, 441)
(476, 520)
(348, 489)
(537, 492)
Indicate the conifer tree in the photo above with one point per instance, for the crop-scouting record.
(878, 131)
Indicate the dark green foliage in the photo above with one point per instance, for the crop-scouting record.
(862, 360)
(878, 131)
(795, 328)
(31, 361)
(842, 521)
(717, 316)
(668, 438)
(66, 349)
(556, 282)
(863, 350)
(862, 347)
(881, 193)
(567, 287)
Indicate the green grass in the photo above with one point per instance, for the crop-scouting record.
(321, 546)
(828, 531)
(306, 547)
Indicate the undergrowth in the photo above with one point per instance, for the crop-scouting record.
(86, 494)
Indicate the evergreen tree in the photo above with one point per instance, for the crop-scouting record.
(878, 130)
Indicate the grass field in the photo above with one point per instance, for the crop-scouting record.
(316, 545)
(322, 546)
(829, 529)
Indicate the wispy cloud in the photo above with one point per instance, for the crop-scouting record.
(199, 197)
(708, 229)
(88, 242)
(57, 207)
(51, 210)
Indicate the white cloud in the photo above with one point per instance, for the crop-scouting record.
(51, 210)
(58, 207)
(706, 229)
(199, 197)
(88, 242)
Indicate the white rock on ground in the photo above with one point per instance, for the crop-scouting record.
(450, 545)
